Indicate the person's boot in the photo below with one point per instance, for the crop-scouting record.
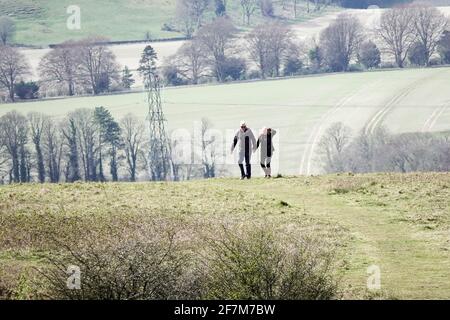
(243, 175)
(269, 172)
(249, 171)
(265, 170)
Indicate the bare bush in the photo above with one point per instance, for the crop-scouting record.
(256, 263)
(145, 264)
(382, 151)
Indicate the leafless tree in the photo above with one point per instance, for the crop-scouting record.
(52, 144)
(216, 38)
(295, 7)
(397, 31)
(133, 130)
(70, 133)
(267, 44)
(341, 40)
(7, 29)
(191, 61)
(13, 67)
(190, 15)
(209, 150)
(38, 122)
(429, 25)
(87, 141)
(248, 9)
(97, 65)
(60, 67)
(332, 147)
(14, 133)
(5, 170)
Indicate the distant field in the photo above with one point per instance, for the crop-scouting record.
(44, 22)
(396, 222)
(301, 109)
(306, 28)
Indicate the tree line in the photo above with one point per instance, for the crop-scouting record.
(409, 35)
(88, 145)
(381, 151)
(75, 67)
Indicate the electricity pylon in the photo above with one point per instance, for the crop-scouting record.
(160, 159)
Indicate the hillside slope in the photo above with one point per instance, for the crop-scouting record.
(399, 223)
(301, 109)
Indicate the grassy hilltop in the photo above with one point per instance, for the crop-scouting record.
(399, 222)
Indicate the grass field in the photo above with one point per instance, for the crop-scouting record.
(150, 18)
(301, 109)
(398, 222)
(44, 22)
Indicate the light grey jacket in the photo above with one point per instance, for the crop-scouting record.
(240, 137)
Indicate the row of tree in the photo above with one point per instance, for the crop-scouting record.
(191, 15)
(75, 67)
(382, 151)
(413, 33)
(88, 145)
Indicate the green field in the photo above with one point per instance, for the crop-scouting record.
(398, 222)
(301, 109)
(43, 22)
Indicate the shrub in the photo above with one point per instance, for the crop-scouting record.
(257, 263)
(234, 68)
(369, 55)
(355, 67)
(26, 90)
(444, 47)
(293, 66)
(172, 76)
(417, 55)
(267, 9)
(147, 264)
(254, 74)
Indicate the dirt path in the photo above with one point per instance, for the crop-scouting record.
(411, 265)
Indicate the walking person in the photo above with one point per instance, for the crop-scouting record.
(246, 142)
(265, 143)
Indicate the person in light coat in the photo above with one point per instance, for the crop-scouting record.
(265, 144)
(245, 140)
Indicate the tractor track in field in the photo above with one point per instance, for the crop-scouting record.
(316, 133)
(434, 117)
(380, 116)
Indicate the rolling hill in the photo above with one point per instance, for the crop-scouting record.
(399, 223)
(43, 22)
(301, 109)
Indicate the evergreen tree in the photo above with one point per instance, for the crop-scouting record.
(127, 78)
(147, 64)
(109, 135)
